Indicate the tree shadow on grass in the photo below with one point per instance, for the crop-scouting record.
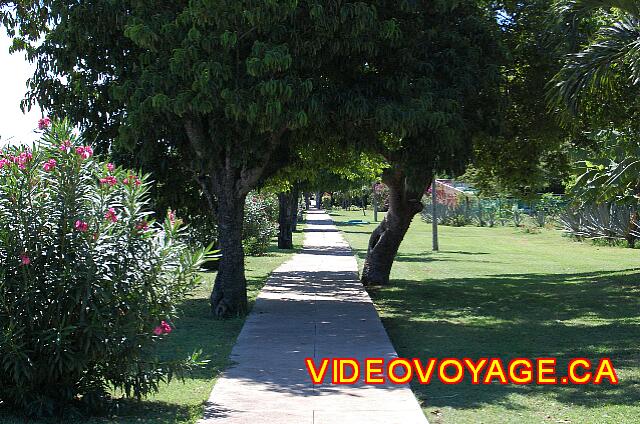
(354, 223)
(273, 251)
(429, 256)
(145, 411)
(591, 314)
(354, 228)
(433, 258)
(198, 330)
(128, 412)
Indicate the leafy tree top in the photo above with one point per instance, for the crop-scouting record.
(239, 73)
(598, 82)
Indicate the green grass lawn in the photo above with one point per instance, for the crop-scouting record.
(498, 292)
(178, 402)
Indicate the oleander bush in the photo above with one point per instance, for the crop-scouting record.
(89, 281)
(382, 193)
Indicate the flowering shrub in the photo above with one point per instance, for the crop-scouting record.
(88, 280)
(327, 202)
(382, 193)
(260, 223)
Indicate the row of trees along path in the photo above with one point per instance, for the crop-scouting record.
(223, 95)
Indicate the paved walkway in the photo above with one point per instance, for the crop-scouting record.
(312, 306)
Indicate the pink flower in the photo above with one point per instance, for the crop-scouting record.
(22, 159)
(132, 180)
(110, 180)
(163, 328)
(111, 215)
(81, 226)
(24, 259)
(142, 226)
(84, 152)
(110, 167)
(44, 123)
(65, 146)
(4, 162)
(49, 165)
(172, 216)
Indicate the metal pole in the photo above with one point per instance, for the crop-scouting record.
(434, 216)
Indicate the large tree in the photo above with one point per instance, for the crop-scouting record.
(225, 87)
(430, 94)
(532, 149)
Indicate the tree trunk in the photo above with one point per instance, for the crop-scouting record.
(307, 201)
(294, 224)
(287, 218)
(295, 195)
(364, 206)
(229, 296)
(385, 240)
(221, 175)
(318, 200)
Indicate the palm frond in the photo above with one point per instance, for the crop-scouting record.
(572, 9)
(594, 72)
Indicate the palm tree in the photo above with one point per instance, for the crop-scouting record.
(609, 62)
(597, 80)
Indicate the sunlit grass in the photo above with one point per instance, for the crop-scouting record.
(500, 292)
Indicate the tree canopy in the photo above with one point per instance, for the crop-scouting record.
(226, 92)
(434, 92)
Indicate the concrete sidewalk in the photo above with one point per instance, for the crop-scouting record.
(312, 306)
